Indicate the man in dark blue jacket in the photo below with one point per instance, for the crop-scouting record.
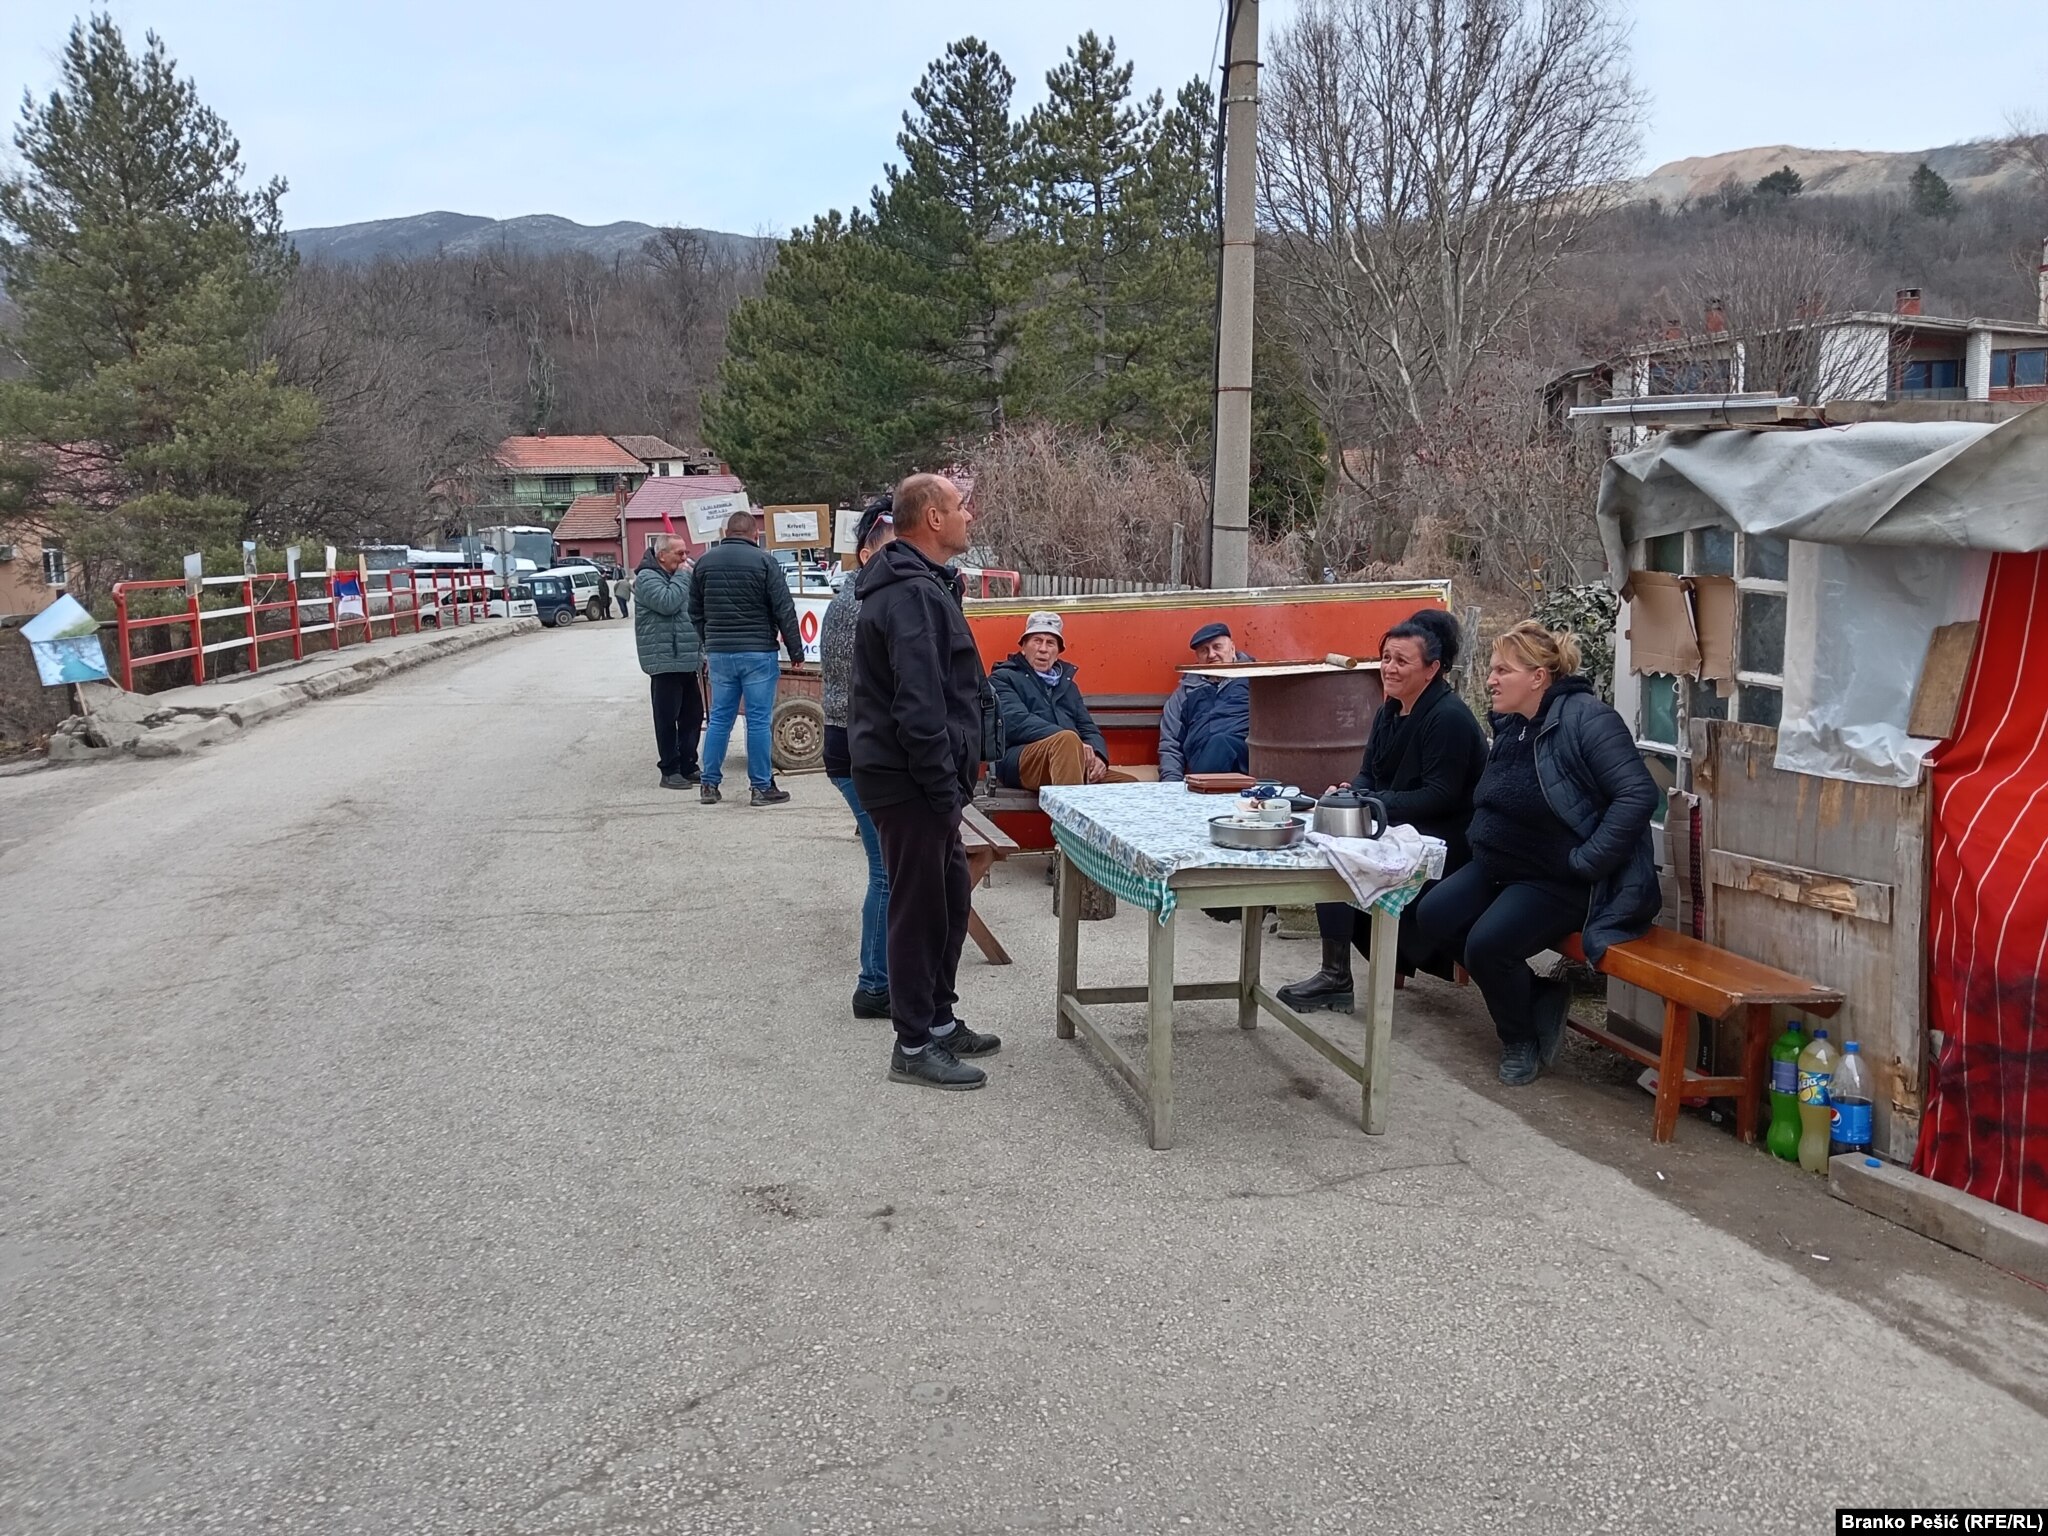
(914, 737)
(1049, 735)
(1206, 724)
(740, 605)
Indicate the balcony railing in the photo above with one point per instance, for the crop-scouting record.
(1926, 394)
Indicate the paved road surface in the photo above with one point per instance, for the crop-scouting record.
(412, 1119)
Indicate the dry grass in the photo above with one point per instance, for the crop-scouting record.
(1057, 503)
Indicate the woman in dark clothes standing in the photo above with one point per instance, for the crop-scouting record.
(1422, 759)
(1560, 839)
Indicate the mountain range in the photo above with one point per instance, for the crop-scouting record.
(1968, 168)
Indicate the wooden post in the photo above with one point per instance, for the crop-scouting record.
(1067, 898)
(1377, 1066)
(1158, 1031)
(1250, 950)
(1671, 1071)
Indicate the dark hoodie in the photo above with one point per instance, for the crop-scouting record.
(913, 723)
(1034, 709)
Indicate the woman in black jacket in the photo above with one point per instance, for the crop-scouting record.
(1422, 759)
(1560, 838)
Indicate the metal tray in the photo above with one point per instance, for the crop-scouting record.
(1228, 832)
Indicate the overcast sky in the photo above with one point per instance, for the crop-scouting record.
(757, 115)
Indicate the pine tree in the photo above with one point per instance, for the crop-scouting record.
(1933, 198)
(144, 275)
(1781, 183)
(833, 382)
(953, 210)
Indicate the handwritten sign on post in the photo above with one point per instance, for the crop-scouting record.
(797, 526)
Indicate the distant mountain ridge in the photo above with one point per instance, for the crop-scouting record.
(468, 234)
(1982, 166)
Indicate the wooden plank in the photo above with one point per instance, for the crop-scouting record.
(1938, 696)
(1188, 992)
(1841, 894)
(985, 940)
(1159, 1033)
(991, 836)
(1706, 978)
(1378, 1064)
(1075, 1015)
(1897, 1040)
(1069, 964)
(1671, 1071)
(1311, 1036)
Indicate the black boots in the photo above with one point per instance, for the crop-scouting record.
(1328, 988)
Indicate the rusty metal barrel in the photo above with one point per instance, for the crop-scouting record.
(1309, 728)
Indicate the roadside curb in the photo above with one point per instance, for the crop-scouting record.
(2006, 1239)
(178, 737)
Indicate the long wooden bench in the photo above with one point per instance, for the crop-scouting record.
(986, 844)
(1696, 978)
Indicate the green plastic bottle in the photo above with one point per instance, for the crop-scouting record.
(1783, 1136)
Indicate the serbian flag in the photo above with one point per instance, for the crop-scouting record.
(347, 589)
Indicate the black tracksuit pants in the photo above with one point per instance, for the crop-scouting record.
(678, 720)
(1497, 926)
(929, 892)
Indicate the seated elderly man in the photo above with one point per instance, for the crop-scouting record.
(1206, 724)
(1050, 736)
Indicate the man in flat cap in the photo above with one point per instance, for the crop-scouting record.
(1206, 724)
(1050, 736)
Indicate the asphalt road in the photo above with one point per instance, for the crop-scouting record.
(413, 1119)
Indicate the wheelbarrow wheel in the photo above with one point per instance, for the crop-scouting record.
(797, 733)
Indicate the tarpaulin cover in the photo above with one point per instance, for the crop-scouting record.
(1986, 1125)
(1890, 525)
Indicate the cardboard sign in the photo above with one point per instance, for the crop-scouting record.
(796, 525)
(845, 529)
(1660, 630)
(707, 515)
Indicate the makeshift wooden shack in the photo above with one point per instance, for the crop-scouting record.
(1832, 644)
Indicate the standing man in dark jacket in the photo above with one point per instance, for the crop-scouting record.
(669, 655)
(1049, 734)
(914, 735)
(740, 603)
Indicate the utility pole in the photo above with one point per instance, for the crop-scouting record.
(1230, 480)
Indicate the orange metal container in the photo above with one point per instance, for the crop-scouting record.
(1128, 646)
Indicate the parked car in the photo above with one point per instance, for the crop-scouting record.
(554, 599)
(586, 581)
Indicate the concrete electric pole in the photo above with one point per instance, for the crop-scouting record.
(1230, 484)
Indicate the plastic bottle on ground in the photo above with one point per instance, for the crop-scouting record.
(1849, 1101)
(1816, 1079)
(1783, 1136)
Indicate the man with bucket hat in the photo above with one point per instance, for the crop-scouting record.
(1049, 734)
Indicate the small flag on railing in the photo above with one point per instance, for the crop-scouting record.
(348, 596)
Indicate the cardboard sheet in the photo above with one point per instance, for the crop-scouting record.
(1660, 625)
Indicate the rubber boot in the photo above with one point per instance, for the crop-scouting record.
(1328, 988)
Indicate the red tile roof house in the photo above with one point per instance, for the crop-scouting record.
(644, 510)
(538, 477)
(590, 527)
(659, 455)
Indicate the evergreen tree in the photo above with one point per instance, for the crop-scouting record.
(1781, 184)
(834, 381)
(1933, 198)
(953, 209)
(1123, 221)
(144, 274)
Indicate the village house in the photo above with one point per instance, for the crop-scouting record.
(590, 528)
(539, 477)
(33, 569)
(1900, 356)
(661, 457)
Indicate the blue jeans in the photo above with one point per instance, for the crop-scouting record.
(733, 673)
(874, 910)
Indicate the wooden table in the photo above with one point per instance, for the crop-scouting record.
(1222, 881)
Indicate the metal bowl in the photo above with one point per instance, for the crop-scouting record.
(1229, 832)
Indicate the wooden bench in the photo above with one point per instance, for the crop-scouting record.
(1696, 978)
(986, 844)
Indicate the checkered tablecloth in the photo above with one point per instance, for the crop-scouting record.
(1131, 839)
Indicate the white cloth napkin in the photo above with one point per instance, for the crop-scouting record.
(1372, 866)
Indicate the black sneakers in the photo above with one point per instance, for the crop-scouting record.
(870, 1005)
(769, 796)
(934, 1067)
(1518, 1063)
(708, 794)
(962, 1041)
(678, 780)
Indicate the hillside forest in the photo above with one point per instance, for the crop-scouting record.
(1027, 294)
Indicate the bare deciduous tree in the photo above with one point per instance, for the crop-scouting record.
(1056, 502)
(1424, 166)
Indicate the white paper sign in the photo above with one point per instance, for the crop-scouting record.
(799, 529)
(707, 515)
(810, 619)
(845, 529)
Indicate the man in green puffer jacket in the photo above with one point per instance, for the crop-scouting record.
(670, 655)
